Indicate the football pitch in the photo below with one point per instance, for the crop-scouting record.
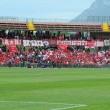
(54, 89)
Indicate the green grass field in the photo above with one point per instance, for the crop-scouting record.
(54, 89)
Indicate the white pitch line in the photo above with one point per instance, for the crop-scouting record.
(38, 102)
(69, 105)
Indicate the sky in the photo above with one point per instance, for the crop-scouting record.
(55, 9)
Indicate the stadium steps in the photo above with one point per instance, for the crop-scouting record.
(30, 26)
(105, 27)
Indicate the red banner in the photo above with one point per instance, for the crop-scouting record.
(52, 42)
(32, 43)
(99, 43)
(75, 43)
(90, 43)
(64, 42)
(79, 43)
(12, 48)
(11, 42)
(83, 43)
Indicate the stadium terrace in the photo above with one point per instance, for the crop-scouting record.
(29, 43)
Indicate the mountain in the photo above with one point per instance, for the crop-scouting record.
(98, 8)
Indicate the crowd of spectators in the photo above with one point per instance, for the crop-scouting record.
(51, 57)
(28, 35)
(34, 57)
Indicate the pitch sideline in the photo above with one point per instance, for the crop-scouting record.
(50, 103)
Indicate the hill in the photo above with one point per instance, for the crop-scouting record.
(97, 8)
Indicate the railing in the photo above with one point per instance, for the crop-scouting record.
(38, 65)
(90, 19)
(6, 18)
(99, 18)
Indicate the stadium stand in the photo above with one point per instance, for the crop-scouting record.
(33, 44)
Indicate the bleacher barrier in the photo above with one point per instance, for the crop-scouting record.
(38, 65)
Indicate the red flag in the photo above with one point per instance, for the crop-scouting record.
(12, 48)
(62, 47)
